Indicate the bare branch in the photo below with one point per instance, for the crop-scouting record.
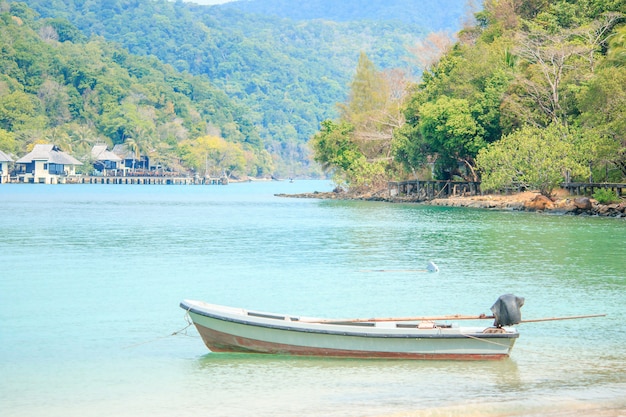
(596, 35)
(428, 51)
(550, 55)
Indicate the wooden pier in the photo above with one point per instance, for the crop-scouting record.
(147, 180)
(588, 188)
(429, 190)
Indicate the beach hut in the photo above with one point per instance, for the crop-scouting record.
(105, 160)
(46, 164)
(131, 162)
(4, 167)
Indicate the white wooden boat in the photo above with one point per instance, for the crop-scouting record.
(229, 329)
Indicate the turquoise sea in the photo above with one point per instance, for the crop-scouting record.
(91, 277)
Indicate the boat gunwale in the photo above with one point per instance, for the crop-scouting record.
(216, 316)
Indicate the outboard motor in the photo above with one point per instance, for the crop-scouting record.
(506, 310)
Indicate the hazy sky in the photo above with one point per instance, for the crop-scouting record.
(208, 1)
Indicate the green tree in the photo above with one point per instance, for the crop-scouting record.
(358, 148)
(133, 146)
(617, 47)
(333, 147)
(55, 101)
(534, 158)
(367, 92)
(66, 31)
(602, 104)
(82, 138)
(451, 133)
(20, 111)
(364, 107)
(456, 109)
(410, 150)
(8, 144)
(338, 153)
(213, 156)
(557, 54)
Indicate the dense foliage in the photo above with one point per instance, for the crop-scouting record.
(532, 157)
(605, 196)
(57, 86)
(287, 74)
(358, 149)
(531, 95)
(427, 14)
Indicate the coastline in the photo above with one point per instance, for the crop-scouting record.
(524, 201)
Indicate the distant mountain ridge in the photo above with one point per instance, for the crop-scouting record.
(288, 73)
(427, 14)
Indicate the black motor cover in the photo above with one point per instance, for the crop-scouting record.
(506, 310)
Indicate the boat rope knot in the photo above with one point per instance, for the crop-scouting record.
(182, 331)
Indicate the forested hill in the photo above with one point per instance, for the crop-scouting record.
(424, 14)
(288, 74)
(57, 86)
(532, 96)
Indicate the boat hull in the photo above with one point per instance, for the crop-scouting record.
(224, 329)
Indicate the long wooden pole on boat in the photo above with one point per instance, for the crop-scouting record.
(450, 317)
(563, 318)
(379, 319)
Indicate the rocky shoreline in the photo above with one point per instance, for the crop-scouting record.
(526, 201)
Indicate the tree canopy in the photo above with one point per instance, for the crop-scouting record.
(532, 158)
(286, 67)
(532, 94)
(359, 147)
(63, 88)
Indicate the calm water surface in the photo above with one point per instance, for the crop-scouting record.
(91, 278)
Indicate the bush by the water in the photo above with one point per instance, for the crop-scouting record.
(605, 196)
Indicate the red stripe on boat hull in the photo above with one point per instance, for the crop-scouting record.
(224, 342)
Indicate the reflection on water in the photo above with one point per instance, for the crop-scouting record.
(417, 388)
(366, 384)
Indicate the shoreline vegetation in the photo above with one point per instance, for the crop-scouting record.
(561, 203)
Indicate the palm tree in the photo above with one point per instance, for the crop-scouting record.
(142, 141)
(58, 137)
(82, 139)
(133, 146)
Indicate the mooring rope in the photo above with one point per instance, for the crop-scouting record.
(182, 331)
(469, 336)
(517, 348)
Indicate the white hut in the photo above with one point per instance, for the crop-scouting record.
(4, 167)
(46, 164)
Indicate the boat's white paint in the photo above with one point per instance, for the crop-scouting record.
(236, 329)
